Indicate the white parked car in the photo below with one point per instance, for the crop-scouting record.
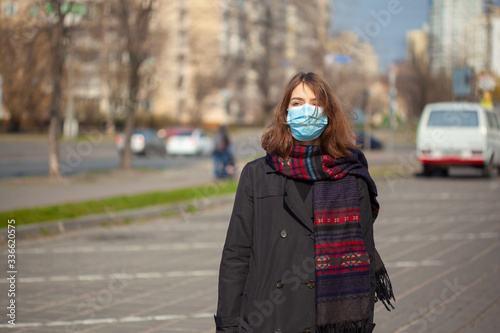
(143, 142)
(188, 141)
(458, 134)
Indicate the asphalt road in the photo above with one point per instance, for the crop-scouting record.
(93, 153)
(439, 238)
(29, 157)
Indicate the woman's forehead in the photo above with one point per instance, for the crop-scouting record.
(303, 90)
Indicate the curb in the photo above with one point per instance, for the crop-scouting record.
(121, 217)
(114, 218)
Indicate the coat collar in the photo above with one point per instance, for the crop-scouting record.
(293, 201)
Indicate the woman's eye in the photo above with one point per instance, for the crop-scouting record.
(296, 104)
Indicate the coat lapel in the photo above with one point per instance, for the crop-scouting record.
(302, 210)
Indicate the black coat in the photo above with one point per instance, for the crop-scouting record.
(267, 272)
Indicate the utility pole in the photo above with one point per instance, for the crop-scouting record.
(367, 128)
(392, 107)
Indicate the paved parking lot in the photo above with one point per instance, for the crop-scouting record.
(439, 238)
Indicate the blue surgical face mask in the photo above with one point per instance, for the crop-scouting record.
(306, 121)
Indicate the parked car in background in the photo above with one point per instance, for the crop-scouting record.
(188, 141)
(143, 142)
(458, 134)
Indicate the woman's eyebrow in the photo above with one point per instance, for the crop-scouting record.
(299, 98)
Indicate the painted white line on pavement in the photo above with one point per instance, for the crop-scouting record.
(425, 263)
(90, 277)
(203, 315)
(433, 238)
(181, 274)
(433, 219)
(144, 275)
(125, 248)
(56, 278)
(111, 320)
(33, 324)
(218, 245)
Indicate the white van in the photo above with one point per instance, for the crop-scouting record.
(458, 134)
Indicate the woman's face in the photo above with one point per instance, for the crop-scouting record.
(302, 94)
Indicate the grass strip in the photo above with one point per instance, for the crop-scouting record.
(113, 204)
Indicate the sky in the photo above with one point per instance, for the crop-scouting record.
(388, 33)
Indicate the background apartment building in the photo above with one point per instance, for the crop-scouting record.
(417, 47)
(227, 61)
(211, 61)
(449, 21)
(477, 39)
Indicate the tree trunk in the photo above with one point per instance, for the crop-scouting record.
(129, 121)
(55, 105)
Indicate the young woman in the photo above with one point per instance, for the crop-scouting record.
(299, 254)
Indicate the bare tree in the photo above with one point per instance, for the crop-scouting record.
(419, 85)
(269, 63)
(134, 17)
(58, 34)
(24, 72)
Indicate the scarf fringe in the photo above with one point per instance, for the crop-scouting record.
(360, 326)
(383, 290)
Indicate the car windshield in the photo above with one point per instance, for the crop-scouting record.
(445, 118)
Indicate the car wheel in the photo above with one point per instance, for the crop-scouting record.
(488, 170)
(427, 170)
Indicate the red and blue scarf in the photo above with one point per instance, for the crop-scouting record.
(343, 267)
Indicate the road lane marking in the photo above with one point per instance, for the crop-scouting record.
(125, 248)
(100, 277)
(180, 274)
(100, 321)
(440, 303)
(218, 245)
(433, 238)
(424, 263)
(435, 219)
(203, 315)
(444, 272)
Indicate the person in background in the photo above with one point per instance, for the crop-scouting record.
(222, 154)
(299, 254)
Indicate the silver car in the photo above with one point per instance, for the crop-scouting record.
(143, 142)
(188, 141)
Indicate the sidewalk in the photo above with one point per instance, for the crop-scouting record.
(41, 191)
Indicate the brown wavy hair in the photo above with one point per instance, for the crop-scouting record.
(337, 137)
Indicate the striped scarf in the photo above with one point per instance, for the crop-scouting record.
(343, 265)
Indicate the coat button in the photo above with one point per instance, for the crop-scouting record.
(311, 284)
(311, 235)
(283, 233)
(280, 284)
